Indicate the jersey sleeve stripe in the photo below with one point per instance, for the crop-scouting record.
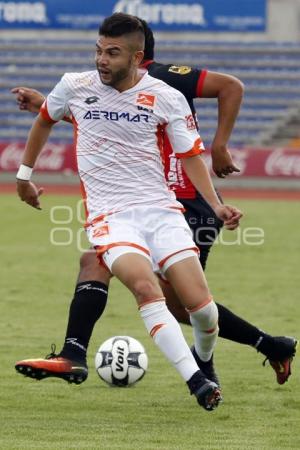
(45, 114)
(200, 83)
(196, 150)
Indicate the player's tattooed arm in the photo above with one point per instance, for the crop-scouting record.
(229, 92)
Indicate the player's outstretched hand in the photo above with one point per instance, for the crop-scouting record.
(29, 193)
(222, 163)
(28, 99)
(230, 215)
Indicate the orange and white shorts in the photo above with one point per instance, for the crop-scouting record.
(159, 234)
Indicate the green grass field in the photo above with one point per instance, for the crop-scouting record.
(37, 281)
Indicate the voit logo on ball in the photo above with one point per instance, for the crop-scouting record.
(121, 361)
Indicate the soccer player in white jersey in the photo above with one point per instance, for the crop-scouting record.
(91, 290)
(133, 220)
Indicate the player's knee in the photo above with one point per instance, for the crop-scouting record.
(90, 269)
(197, 297)
(206, 318)
(145, 290)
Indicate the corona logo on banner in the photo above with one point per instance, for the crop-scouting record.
(23, 12)
(162, 15)
(167, 13)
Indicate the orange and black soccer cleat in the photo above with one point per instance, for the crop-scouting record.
(281, 359)
(53, 366)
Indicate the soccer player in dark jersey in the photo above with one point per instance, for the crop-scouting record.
(90, 295)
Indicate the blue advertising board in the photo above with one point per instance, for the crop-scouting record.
(162, 15)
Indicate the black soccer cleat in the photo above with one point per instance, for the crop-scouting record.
(282, 356)
(206, 367)
(207, 393)
(53, 366)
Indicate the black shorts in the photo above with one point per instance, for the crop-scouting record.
(203, 222)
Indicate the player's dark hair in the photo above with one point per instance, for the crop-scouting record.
(149, 40)
(119, 24)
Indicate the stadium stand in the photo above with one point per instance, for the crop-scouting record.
(270, 72)
(288, 131)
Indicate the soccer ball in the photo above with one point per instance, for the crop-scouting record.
(121, 361)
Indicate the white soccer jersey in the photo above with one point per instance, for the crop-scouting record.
(119, 137)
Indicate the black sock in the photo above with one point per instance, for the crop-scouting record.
(87, 306)
(236, 329)
(267, 346)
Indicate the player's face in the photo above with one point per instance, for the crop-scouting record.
(115, 60)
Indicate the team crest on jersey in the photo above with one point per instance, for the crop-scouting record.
(190, 122)
(85, 81)
(145, 99)
(181, 70)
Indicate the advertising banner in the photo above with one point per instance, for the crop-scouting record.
(253, 162)
(162, 15)
(55, 158)
(265, 163)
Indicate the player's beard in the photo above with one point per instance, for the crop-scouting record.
(116, 77)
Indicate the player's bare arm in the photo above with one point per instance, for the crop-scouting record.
(229, 91)
(31, 100)
(38, 136)
(28, 99)
(197, 172)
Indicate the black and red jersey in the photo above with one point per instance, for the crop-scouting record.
(189, 82)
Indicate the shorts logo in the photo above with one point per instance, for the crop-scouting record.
(100, 231)
(190, 122)
(181, 70)
(145, 99)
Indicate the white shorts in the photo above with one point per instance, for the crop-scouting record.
(154, 232)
